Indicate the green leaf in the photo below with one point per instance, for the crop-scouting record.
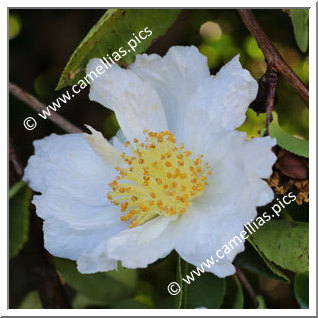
(255, 262)
(253, 124)
(128, 304)
(16, 188)
(295, 145)
(111, 126)
(300, 19)
(285, 243)
(207, 290)
(180, 270)
(31, 301)
(145, 294)
(105, 287)
(261, 302)
(233, 298)
(18, 218)
(301, 288)
(113, 31)
(80, 301)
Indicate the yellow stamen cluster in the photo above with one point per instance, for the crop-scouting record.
(159, 178)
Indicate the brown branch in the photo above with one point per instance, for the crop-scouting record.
(40, 265)
(17, 169)
(272, 55)
(272, 85)
(241, 276)
(36, 105)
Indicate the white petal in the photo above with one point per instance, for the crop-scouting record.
(259, 155)
(175, 77)
(144, 244)
(62, 240)
(96, 261)
(74, 213)
(136, 104)
(219, 105)
(236, 176)
(211, 228)
(73, 180)
(68, 165)
(233, 89)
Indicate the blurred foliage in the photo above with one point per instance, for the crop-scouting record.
(253, 124)
(207, 290)
(104, 287)
(20, 195)
(31, 301)
(233, 298)
(41, 44)
(14, 26)
(261, 302)
(293, 144)
(301, 287)
(300, 19)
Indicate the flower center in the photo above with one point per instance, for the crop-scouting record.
(159, 178)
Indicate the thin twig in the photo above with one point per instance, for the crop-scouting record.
(272, 55)
(241, 276)
(41, 269)
(36, 105)
(13, 158)
(272, 85)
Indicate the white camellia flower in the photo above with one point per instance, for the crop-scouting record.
(176, 176)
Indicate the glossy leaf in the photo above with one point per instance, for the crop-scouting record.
(113, 31)
(300, 19)
(301, 288)
(105, 287)
(293, 144)
(19, 218)
(285, 243)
